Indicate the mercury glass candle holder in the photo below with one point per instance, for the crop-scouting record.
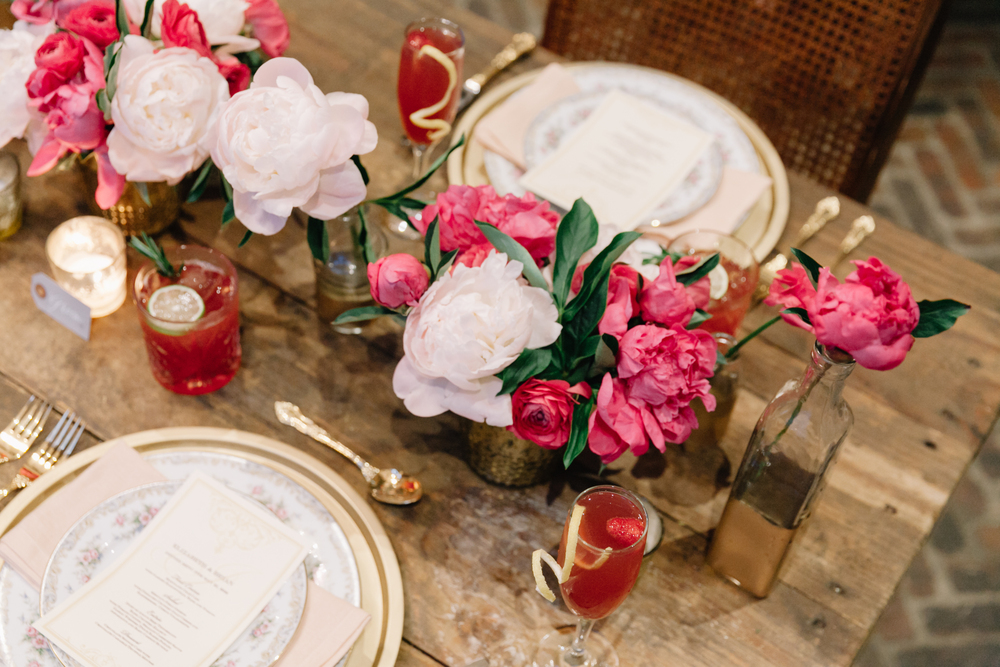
(87, 256)
(10, 195)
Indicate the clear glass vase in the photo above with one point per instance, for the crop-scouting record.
(342, 282)
(724, 381)
(783, 472)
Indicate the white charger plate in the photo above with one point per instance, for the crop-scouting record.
(330, 562)
(96, 541)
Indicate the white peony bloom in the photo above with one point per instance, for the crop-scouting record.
(468, 327)
(223, 21)
(17, 62)
(282, 144)
(163, 110)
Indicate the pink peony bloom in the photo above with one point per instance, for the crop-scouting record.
(38, 12)
(398, 280)
(665, 301)
(623, 304)
(269, 26)
(620, 422)
(95, 21)
(526, 220)
(474, 255)
(870, 315)
(543, 411)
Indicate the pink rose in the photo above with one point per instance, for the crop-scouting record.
(700, 290)
(95, 21)
(870, 315)
(620, 422)
(58, 59)
(623, 305)
(181, 27)
(269, 26)
(236, 74)
(664, 300)
(398, 280)
(38, 12)
(543, 411)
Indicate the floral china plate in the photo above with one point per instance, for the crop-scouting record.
(106, 531)
(731, 143)
(330, 563)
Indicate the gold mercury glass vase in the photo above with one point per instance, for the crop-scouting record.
(131, 212)
(500, 457)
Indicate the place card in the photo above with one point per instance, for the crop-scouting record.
(624, 161)
(60, 305)
(185, 588)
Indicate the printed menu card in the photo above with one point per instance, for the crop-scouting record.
(185, 588)
(624, 160)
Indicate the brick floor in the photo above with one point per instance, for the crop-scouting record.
(943, 182)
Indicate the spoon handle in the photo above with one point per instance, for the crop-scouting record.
(291, 415)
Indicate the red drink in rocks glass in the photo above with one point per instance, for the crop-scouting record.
(200, 356)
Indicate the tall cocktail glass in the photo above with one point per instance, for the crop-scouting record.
(608, 556)
(200, 356)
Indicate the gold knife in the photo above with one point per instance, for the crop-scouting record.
(521, 44)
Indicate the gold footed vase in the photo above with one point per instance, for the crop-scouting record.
(132, 213)
(500, 457)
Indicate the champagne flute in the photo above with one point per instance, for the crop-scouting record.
(612, 537)
(430, 80)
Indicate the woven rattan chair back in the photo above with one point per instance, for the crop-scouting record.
(827, 80)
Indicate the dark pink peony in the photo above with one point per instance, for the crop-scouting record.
(700, 290)
(474, 255)
(620, 423)
(543, 411)
(398, 280)
(623, 304)
(269, 26)
(870, 315)
(455, 210)
(95, 21)
(182, 27)
(666, 301)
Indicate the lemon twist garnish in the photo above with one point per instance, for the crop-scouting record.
(420, 118)
(562, 573)
(536, 568)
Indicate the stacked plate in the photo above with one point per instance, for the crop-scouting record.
(738, 143)
(350, 555)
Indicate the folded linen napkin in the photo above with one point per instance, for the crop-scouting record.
(738, 192)
(502, 130)
(329, 625)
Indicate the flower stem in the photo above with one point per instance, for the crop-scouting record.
(731, 353)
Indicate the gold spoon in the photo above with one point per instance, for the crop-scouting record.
(861, 228)
(388, 486)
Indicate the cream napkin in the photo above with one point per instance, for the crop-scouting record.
(502, 130)
(329, 625)
(738, 192)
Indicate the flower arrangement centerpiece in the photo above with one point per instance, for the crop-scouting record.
(557, 330)
(157, 90)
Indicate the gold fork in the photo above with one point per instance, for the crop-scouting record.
(59, 443)
(24, 429)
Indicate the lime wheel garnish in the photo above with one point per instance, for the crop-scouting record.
(176, 307)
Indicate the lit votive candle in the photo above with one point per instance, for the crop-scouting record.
(87, 256)
(10, 195)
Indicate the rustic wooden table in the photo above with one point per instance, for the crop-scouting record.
(464, 550)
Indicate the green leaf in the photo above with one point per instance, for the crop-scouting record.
(696, 319)
(143, 191)
(147, 247)
(432, 245)
(228, 213)
(200, 181)
(362, 314)
(587, 350)
(514, 250)
(365, 239)
(319, 239)
(585, 320)
(576, 235)
(600, 267)
(356, 159)
(104, 105)
(111, 79)
(147, 15)
(579, 431)
(227, 189)
(245, 239)
(693, 274)
(612, 343)
(445, 260)
(423, 179)
(252, 59)
(801, 312)
(811, 266)
(528, 364)
(664, 253)
(938, 316)
(121, 19)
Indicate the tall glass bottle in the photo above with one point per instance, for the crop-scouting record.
(783, 472)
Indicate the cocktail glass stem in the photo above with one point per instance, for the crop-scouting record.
(577, 653)
(421, 155)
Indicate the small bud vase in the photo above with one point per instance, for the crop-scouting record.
(783, 473)
(500, 457)
(131, 212)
